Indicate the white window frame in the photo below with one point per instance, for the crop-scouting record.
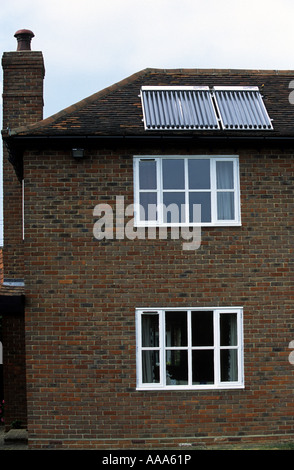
(162, 348)
(213, 190)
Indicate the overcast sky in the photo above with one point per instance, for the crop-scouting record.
(91, 44)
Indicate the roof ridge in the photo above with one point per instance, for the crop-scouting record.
(221, 70)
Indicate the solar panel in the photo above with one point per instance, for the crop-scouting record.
(201, 108)
(241, 108)
(178, 108)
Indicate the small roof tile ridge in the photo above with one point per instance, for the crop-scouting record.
(200, 71)
(79, 105)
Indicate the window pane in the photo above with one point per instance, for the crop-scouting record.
(225, 206)
(174, 207)
(147, 174)
(150, 330)
(195, 213)
(224, 175)
(205, 200)
(229, 365)
(176, 367)
(228, 329)
(148, 205)
(176, 328)
(150, 367)
(202, 329)
(199, 173)
(173, 174)
(202, 367)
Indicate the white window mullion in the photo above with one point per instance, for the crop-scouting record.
(136, 190)
(213, 190)
(216, 325)
(189, 325)
(187, 203)
(237, 196)
(159, 190)
(139, 348)
(240, 346)
(162, 357)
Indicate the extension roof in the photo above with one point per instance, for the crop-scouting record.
(117, 111)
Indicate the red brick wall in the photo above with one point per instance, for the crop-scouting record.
(14, 371)
(1, 267)
(23, 74)
(82, 295)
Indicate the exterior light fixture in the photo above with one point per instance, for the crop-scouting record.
(78, 153)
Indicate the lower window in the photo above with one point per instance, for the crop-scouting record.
(196, 348)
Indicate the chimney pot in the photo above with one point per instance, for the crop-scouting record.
(24, 37)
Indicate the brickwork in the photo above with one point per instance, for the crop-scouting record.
(1, 268)
(14, 371)
(23, 74)
(82, 294)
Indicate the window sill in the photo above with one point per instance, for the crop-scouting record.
(204, 224)
(191, 388)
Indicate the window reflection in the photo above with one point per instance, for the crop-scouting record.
(229, 365)
(176, 328)
(199, 173)
(174, 207)
(202, 328)
(228, 329)
(173, 174)
(203, 367)
(204, 199)
(150, 330)
(176, 360)
(150, 367)
(147, 174)
(176, 367)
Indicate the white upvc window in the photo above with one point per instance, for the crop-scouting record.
(195, 348)
(169, 189)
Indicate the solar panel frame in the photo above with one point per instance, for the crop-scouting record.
(187, 108)
(241, 108)
(178, 108)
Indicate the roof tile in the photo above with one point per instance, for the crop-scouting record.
(117, 110)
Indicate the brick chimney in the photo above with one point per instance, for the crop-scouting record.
(23, 75)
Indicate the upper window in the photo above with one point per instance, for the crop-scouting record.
(189, 348)
(186, 191)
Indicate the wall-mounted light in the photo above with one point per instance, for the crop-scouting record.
(78, 153)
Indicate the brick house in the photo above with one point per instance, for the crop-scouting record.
(148, 323)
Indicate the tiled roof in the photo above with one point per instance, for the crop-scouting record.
(117, 110)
